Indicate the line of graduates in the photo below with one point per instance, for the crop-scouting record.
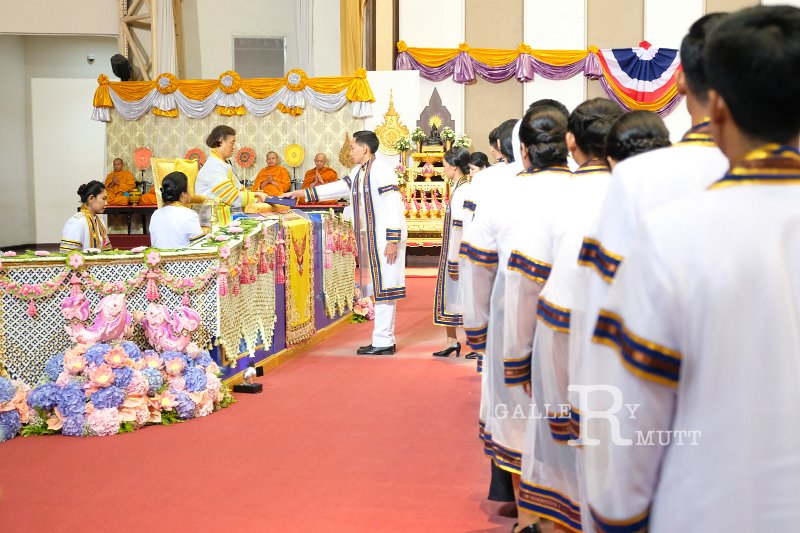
(639, 317)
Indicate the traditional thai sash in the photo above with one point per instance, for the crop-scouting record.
(97, 231)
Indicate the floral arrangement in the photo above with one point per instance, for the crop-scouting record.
(363, 310)
(427, 169)
(447, 134)
(402, 144)
(105, 389)
(14, 409)
(400, 170)
(196, 154)
(464, 141)
(418, 135)
(245, 157)
(141, 157)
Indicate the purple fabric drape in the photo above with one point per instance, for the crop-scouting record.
(464, 68)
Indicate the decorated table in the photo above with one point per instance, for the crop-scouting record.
(242, 295)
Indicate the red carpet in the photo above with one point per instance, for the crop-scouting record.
(336, 442)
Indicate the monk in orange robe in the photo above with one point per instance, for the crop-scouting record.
(273, 179)
(319, 175)
(118, 183)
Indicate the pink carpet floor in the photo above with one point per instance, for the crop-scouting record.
(337, 442)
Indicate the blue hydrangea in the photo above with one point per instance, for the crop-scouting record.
(73, 426)
(168, 356)
(72, 401)
(185, 407)
(132, 350)
(149, 353)
(54, 366)
(7, 390)
(95, 354)
(154, 379)
(110, 397)
(45, 396)
(195, 379)
(123, 377)
(203, 360)
(10, 424)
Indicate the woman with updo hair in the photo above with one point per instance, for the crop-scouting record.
(446, 309)
(500, 304)
(84, 229)
(217, 178)
(477, 162)
(635, 133)
(175, 225)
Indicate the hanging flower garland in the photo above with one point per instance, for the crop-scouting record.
(196, 154)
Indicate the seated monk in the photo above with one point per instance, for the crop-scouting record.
(319, 175)
(273, 179)
(118, 183)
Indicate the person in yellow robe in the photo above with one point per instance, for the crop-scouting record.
(118, 183)
(273, 179)
(319, 175)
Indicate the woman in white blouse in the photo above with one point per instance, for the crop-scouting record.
(175, 225)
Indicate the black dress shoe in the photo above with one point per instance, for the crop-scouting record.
(471, 355)
(447, 351)
(377, 350)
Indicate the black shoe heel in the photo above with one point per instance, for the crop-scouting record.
(447, 351)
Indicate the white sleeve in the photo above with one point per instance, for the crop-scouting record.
(329, 191)
(478, 263)
(191, 228)
(635, 356)
(75, 235)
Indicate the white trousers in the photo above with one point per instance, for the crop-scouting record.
(383, 330)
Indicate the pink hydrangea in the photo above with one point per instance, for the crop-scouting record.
(213, 385)
(235, 224)
(177, 383)
(142, 415)
(138, 249)
(235, 230)
(193, 350)
(41, 253)
(63, 379)
(205, 408)
(213, 368)
(10, 254)
(104, 422)
(138, 385)
(221, 238)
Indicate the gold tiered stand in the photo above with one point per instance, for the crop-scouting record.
(424, 218)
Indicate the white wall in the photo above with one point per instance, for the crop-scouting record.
(16, 215)
(68, 149)
(326, 48)
(75, 17)
(218, 22)
(665, 24)
(555, 25)
(448, 34)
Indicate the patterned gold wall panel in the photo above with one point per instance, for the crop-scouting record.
(315, 130)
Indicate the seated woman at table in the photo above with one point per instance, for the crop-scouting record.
(84, 229)
(175, 225)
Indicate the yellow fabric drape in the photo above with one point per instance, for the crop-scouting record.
(351, 26)
(433, 57)
(262, 87)
(559, 58)
(493, 57)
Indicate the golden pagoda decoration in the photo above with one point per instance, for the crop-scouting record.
(344, 154)
(391, 130)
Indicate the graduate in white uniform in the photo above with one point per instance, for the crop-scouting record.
(446, 305)
(175, 225)
(217, 178)
(380, 227)
(488, 244)
(700, 328)
(642, 183)
(85, 229)
(550, 485)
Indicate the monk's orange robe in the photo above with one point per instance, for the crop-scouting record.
(327, 174)
(280, 177)
(125, 183)
(149, 198)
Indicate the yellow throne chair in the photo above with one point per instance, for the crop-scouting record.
(162, 166)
